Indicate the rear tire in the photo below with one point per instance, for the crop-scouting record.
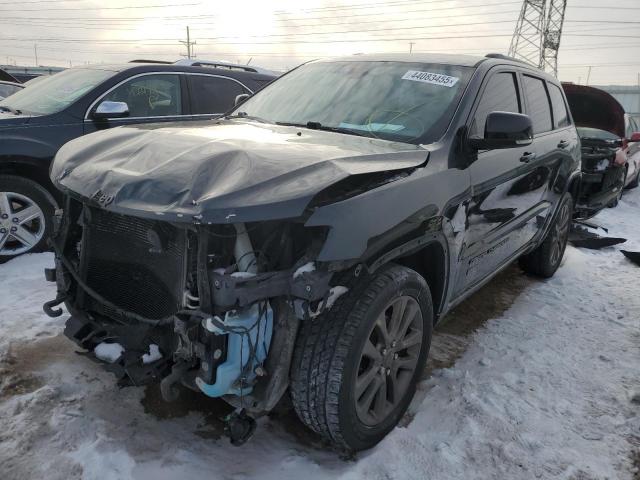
(636, 181)
(545, 260)
(351, 383)
(26, 211)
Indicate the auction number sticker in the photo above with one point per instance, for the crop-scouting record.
(433, 78)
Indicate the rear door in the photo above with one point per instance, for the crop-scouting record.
(507, 185)
(213, 95)
(151, 97)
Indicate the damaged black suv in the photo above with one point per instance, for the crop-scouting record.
(311, 239)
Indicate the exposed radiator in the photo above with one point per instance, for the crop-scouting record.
(137, 264)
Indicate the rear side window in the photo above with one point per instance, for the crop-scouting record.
(560, 112)
(501, 95)
(213, 94)
(538, 105)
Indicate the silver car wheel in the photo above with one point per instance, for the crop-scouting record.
(22, 224)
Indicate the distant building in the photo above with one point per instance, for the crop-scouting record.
(629, 97)
(27, 73)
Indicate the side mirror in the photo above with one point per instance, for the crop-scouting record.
(635, 137)
(241, 98)
(505, 130)
(109, 109)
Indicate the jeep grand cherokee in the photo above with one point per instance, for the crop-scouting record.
(310, 240)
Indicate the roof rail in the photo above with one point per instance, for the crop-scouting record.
(144, 60)
(500, 56)
(190, 62)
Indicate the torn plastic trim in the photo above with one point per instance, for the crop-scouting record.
(228, 291)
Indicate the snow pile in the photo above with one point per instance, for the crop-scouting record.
(109, 352)
(306, 268)
(153, 356)
(23, 290)
(544, 390)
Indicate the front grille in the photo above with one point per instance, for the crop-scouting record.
(135, 263)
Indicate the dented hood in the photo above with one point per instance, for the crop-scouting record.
(218, 172)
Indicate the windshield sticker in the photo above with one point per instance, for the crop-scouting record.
(432, 78)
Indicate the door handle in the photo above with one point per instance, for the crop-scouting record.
(563, 144)
(527, 157)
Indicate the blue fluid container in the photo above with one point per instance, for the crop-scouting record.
(238, 351)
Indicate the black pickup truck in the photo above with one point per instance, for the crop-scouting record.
(310, 239)
(36, 121)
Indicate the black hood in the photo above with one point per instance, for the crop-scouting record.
(227, 171)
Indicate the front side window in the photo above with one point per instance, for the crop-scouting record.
(538, 105)
(150, 96)
(500, 95)
(397, 101)
(213, 94)
(560, 112)
(57, 92)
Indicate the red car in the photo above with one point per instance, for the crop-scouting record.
(610, 147)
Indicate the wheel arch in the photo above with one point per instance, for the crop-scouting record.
(574, 186)
(34, 169)
(428, 256)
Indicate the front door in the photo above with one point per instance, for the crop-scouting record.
(507, 185)
(156, 97)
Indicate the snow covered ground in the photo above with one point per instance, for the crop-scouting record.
(528, 379)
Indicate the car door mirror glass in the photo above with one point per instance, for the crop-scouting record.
(108, 109)
(505, 130)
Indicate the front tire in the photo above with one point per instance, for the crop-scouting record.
(545, 260)
(356, 366)
(26, 211)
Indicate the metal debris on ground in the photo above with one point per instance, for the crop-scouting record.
(582, 238)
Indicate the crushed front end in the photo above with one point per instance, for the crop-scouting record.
(213, 307)
(602, 178)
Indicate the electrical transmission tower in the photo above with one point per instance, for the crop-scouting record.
(553, 35)
(536, 39)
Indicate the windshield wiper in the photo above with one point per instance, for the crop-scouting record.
(247, 117)
(15, 111)
(324, 128)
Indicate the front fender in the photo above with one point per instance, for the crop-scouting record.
(400, 206)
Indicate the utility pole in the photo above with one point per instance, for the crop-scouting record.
(411, 44)
(189, 44)
(35, 51)
(588, 75)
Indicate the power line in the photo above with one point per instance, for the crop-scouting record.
(323, 24)
(190, 17)
(131, 7)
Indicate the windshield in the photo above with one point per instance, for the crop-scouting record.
(7, 89)
(397, 101)
(55, 93)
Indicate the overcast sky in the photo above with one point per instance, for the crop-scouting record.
(281, 34)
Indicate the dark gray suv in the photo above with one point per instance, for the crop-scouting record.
(36, 121)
